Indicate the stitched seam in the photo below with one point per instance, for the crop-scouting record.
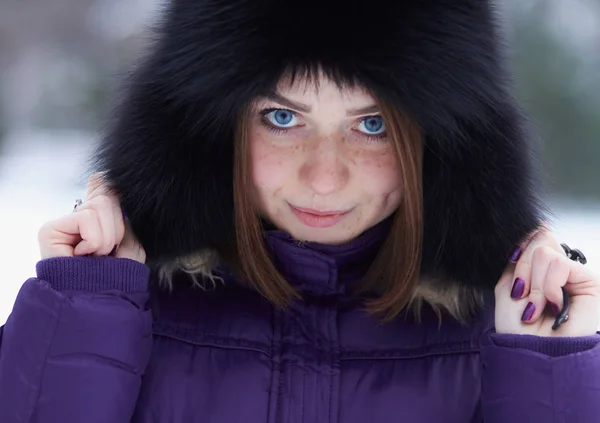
(330, 337)
(554, 396)
(466, 348)
(105, 361)
(399, 355)
(192, 336)
(304, 380)
(281, 378)
(35, 395)
(231, 344)
(276, 372)
(290, 372)
(176, 329)
(226, 340)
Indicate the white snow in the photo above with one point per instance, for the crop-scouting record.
(41, 175)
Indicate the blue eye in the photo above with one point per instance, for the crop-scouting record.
(372, 125)
(282, 118)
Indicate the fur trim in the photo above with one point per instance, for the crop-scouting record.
(169, 151)
(460, 302)
(446, 297)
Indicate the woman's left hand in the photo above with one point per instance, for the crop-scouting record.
(529, 295)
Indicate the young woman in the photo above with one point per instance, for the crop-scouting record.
(321, 202)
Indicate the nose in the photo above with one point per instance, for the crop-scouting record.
(324, 170)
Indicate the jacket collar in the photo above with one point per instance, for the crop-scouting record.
(319, 269)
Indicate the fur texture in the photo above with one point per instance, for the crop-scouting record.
(169, 151)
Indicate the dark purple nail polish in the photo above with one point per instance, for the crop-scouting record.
(124, 215)
(529, 310)
(554, 307)
(516, 255)
(517, 289)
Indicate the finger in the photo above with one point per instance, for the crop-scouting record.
(119, 223)
(507, 311)
(522, 278)
(117, 215)
(580, 280)
(97, 187)
(556, 277)
(103, 207)
(504, 285)
(117, 219)
(522, 246)
(57, 238)
(549, 273)
(90, 232)
(130, 247)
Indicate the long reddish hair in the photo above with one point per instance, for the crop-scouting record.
(395, 270)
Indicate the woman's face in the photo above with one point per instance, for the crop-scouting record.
(323, 167)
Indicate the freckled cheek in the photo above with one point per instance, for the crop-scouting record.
(380, 174)
(271, 167)
(266, 168)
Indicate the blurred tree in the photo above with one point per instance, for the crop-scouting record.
(565, 110)
(2, 130)
(3, 124)
(59, 58)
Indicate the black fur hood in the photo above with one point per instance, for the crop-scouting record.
(169, 151)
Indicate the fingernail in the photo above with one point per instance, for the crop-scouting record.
(529, 310)
(516, 254)
(554, 308)
(124, 215)
(517, 289)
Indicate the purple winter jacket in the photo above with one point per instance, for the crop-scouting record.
(90, 341)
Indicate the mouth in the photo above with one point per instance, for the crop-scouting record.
(319, 218)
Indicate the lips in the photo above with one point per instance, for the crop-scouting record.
(319, 218)
(320, 213)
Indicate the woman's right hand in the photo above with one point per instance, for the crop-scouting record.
(95, 228)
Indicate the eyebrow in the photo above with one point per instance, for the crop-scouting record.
(364, 110)
(273, 96)
(287, 102)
